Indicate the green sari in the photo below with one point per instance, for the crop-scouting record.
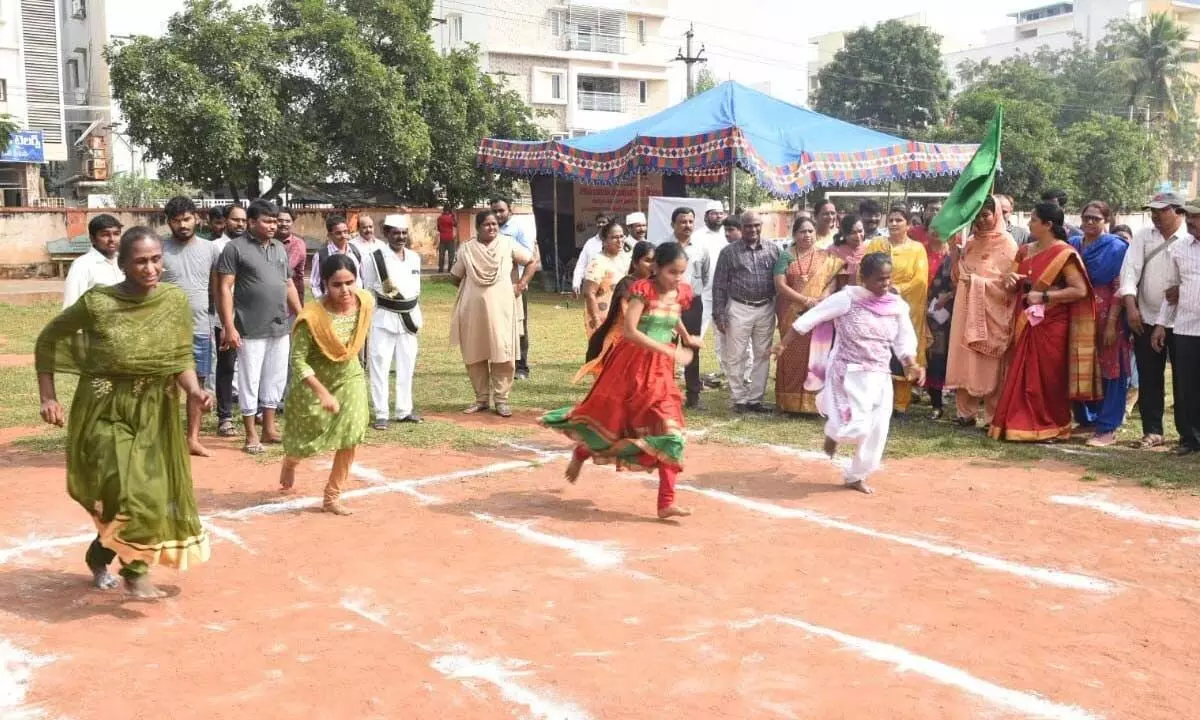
(127, 457)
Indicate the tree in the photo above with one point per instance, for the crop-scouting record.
(705, 81)
(349, 90)
(135, 191)
(8, 126)
(1109, 158)
(1151, 62)
(890, 76)
(209, 101)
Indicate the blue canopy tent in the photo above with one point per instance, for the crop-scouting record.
(789, 150)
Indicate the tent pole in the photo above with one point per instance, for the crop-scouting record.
(732, 189)
(557, 273)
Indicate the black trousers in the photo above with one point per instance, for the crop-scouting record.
(692, 319)
(1187, 389)
(226, 364)
(523, 361)
(98, 555)
(1152, 370)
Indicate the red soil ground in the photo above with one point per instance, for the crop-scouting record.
(514, 594)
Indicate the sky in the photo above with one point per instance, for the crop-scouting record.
(761, 41)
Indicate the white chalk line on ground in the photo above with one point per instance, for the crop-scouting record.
(1047, 576)
(593, 554)
(502, 673)
(1126, 512)
(36, 544)
(904, 661)
(16, 673)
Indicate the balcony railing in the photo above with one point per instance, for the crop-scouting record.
(574, 39)
(601, 101)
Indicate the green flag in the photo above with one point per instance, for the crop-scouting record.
(973, 186)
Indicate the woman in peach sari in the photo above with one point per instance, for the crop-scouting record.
(981, 327)
(804, 276)
(1053, 358)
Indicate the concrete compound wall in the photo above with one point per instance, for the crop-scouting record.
(25, 232)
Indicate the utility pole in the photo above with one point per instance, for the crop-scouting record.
(690, 60)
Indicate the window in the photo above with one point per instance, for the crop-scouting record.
(556, 87)
(79, 9)
(641, 30)
(73, 73)
(643, 91)
(556, 23)
(456, 28)
(3, 90)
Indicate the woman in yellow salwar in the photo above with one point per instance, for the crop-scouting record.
(127, 457)
(910, 278)
(805, 275)
(603, 338)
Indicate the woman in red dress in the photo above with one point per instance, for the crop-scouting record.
(633, 415)
(1053, 357)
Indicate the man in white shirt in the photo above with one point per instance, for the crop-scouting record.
(1181, 308)
(338, 244)
(698, 275)
(97, 266)
(591, 249)
(635, 229)
(504, 215)
(712, 238)
(365, 239)
(1145, 279)
(393, 274)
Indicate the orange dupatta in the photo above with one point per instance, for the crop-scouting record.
(1082, 360)
(320, 326)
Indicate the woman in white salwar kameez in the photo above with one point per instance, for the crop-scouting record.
(871, 323)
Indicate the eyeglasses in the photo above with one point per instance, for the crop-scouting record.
(1092, 219)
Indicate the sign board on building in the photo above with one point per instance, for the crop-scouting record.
(24, 146)
(615, 200)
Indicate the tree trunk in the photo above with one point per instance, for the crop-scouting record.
(272, 192)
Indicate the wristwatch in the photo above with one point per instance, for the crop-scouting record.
(1045, 297)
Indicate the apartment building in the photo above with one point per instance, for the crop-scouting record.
(584, 66)
(54, 85)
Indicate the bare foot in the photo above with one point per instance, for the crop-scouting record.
(861, 486)
(287, 477)
(272, 438)
(141, 588)
(102, 579)
(198, 450)
(673, 512)
(336, 508)
(830, 447)
(573, 469)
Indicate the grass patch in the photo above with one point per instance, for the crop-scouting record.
(22, 323)
(558, 343)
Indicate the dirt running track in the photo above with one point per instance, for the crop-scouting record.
(482, 586)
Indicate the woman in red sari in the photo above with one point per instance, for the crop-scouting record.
(633, 415)
(1053, 358)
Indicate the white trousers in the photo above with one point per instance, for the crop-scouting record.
(385, 347)
(747, 351)
(262, 365)
(870, 398)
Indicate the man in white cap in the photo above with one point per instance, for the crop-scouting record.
(635, 229)
(393, 275)
(590, 249)
(712, 239)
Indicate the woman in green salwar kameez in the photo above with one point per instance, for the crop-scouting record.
(127, 458)
(327, 401)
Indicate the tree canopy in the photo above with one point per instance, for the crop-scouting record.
(309, 90)
(890, 77)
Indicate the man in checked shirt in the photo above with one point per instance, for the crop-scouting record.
(744, 311)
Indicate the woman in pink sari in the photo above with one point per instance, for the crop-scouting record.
(981, 327)
(850, 247)
(1053, 357)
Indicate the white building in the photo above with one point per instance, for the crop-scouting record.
(1054, 26)
(586, 65)
(86, 98)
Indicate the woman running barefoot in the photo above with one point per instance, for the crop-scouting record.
(871, 324)
(633, 415)
(127, 457)
(327, 402)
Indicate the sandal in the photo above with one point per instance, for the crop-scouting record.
(1150, 441)
(503, 410)
(475, 408)
(257, 449)
(380, 425)
(1102, 440)
(225, 429)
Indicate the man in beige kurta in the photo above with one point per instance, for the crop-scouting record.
(485, 322)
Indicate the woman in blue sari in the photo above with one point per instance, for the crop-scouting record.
(1103, 254)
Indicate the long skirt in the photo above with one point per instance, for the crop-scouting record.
(633, 415)
(1035, 404)
(128, 467)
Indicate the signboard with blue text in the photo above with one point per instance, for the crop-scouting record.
(24, 146)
